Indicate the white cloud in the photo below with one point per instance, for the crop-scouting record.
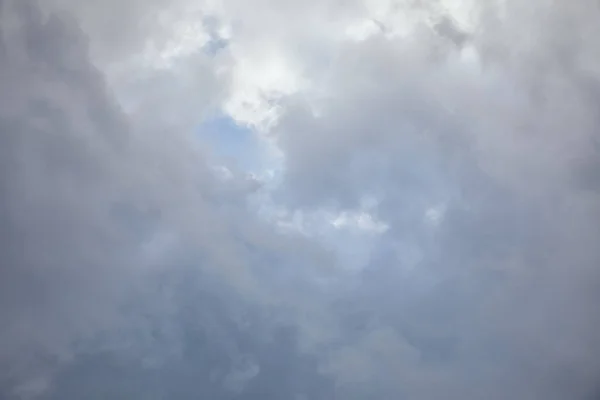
(435, 214)
(360, 220)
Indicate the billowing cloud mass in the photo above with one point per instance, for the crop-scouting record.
(230, 199)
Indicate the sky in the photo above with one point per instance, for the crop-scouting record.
(299, 200)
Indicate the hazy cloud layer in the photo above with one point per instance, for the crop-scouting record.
(427, 228)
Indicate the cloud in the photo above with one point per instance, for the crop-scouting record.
(428, 230)
(417, 122)
(99, 209)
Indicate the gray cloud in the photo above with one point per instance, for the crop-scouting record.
(130, 270)
(501, 289)
(100, 213)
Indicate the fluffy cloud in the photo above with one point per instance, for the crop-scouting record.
(99, 209)
(427, 230)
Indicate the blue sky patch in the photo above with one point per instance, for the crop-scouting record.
(236, 144)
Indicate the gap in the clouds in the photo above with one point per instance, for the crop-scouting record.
(235, 145)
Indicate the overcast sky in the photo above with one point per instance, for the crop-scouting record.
(299, 199)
